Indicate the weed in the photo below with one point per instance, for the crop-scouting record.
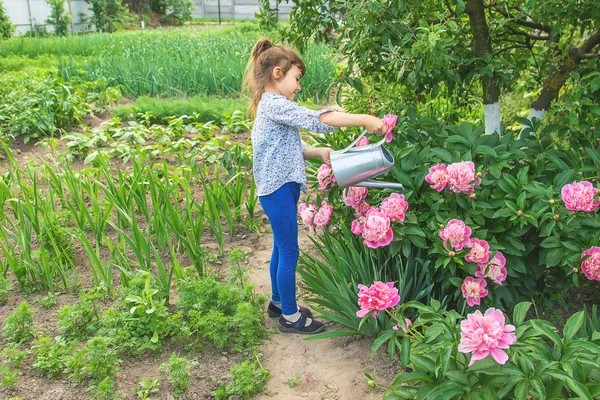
(47, 301)
(249, 379)
(237, 274)
(179, 373)
(13, 356)
(18, 326)
(293, 381)
(50, 360)
(9, 378)
(96, 361)
(5, 287)
(78, 321)
(147, 387)
(104, 390)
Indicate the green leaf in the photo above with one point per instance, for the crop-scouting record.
(573, 325)
(382, 338)
(486, 151)
(519, 313)
(332, 334)
(154, 337)
(405, 352)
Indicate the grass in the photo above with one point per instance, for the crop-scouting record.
(174, 62)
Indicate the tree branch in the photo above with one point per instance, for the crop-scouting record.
(528, 24)
(516, 46)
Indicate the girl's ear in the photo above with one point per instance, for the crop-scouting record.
(277, 74)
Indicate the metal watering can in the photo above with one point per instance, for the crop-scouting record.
(354, 166)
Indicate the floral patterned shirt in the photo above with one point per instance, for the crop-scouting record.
(278, 151)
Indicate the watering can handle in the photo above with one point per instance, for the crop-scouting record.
(351, 145)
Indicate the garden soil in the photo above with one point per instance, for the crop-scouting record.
(330, 369)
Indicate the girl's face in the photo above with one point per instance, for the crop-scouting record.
(289, 85)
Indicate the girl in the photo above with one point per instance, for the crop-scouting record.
(273, 79)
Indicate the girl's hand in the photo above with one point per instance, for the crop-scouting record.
(324, 153)
(373, 124)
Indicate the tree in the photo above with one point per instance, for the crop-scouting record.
(59, 17)
(6, 27)
(443, 48)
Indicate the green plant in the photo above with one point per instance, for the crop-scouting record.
(13, 356)
(249, 379)
(6, 27)
(147, 387)
(59, 18)
(18, 326)
(9, 378)
(179, 373)
(236, 122)
(291, 382)
(50, 356)
(97, 361)
(5, 288)
(106, 14)
(267, 16)
(540, 364)
(47, 301)
(79, 320)
(179, 11)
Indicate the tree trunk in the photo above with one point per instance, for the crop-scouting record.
(483, 47)
(559, 76)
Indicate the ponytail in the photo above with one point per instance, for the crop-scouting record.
(264, 57)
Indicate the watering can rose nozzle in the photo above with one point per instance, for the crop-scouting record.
(355, 166)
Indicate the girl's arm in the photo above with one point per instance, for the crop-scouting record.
(321, 152)
(342, 119)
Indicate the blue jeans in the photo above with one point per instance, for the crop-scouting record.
(281, 208)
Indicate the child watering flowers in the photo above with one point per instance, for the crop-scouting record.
(272, 78)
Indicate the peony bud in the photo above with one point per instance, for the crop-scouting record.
(592, 128)
(478, 174)
(556, 217)
(575, 270)
(519, 212)
(341, 73)
(451, 253)
(551, 201)
(472, 196)
(371, 383)
(441, 226)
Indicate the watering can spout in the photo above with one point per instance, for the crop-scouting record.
(355, 166)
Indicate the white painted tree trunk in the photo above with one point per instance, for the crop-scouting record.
(533, 113)
(492, 118)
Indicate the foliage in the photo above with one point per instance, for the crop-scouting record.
(13, 356)
(236, 122)
(106, 14)
(267, 16)
(5, 288)
(223, 313)
(541, 364)
(47, 301)
(79, 320)
(6, 27)
(179, 11)
(147, 387)
(96, 361)
(179, 373)
(249, 379)
(59, 18)
(18, 326)
(50, 356)
(197, 108)
(9, 378)
(142, 322)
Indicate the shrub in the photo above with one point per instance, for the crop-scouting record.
(18, 326)
(6, 27)
(106, 14)
(96, 361)
(59, 18)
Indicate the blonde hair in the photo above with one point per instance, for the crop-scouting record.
(265, 56)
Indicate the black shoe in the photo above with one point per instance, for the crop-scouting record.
(275, 311)
(298, 327)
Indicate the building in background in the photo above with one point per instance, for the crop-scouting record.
(26, 14)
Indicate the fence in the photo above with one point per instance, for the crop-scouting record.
(26, 14)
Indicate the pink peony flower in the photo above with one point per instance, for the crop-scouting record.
(363, 141)
(379, 296)
(473, 290)
(394, 207)
(376, 230)
(484, 335)
(389, 120)
(579, 196)
(437, 177)
(354, 195)
(323, 215)
(357, 227)
(494, 269)
(362, 208)
(325, 176)
(457, 233)
(462, 177)
(408, 323)
(480, 251)
(307, 214)
(591, 265)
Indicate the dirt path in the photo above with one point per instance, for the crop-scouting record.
(330, 369)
